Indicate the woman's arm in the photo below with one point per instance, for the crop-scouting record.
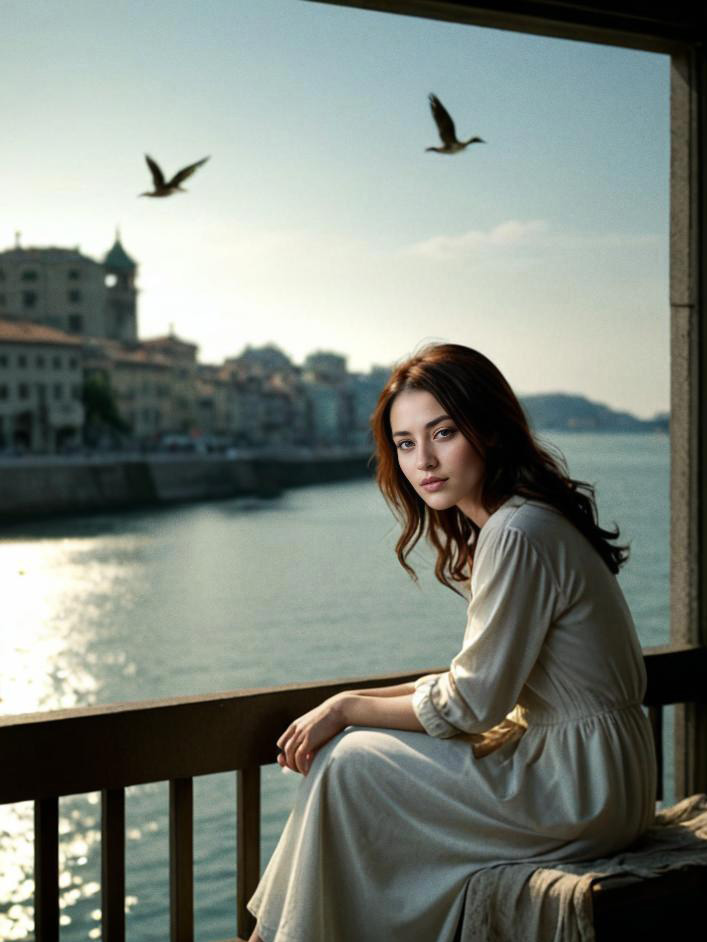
(397, 690)
(386, 710)
(312, 730)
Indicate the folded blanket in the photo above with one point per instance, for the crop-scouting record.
(553, 902)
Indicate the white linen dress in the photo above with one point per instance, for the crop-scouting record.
(388, 825)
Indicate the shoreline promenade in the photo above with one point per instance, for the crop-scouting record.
(37, 486)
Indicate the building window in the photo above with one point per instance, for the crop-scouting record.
(75, 323)
(73, 363)
(74, 295)
(29, 299)
(22, 360)
(111, 280)
(29, 275)
(3, 391)
(73, 274)
(58, 391)
(76, 392)
(3, 359)
(23, 390)
(56, 362)
(2, 274)
(39, 360)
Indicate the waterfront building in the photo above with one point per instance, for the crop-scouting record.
(259, 398)
(40, 387)
(269, 407)
(324, 411)
(277, 419)
(154, 384)
(325, 381)
(211, 403)
(180, 351)
(66, 290)
(263, 361)
(141, 383)
(121, 293)
(298, 419)
(365, 389)
(181, 355)
(246, 411)
(325, 367)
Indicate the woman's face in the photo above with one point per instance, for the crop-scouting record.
(430, 447)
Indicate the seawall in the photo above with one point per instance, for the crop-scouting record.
(36, 487)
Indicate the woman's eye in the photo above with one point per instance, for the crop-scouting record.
(405, 441)
(448, 432)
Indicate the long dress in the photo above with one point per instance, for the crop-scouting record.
(389, 825)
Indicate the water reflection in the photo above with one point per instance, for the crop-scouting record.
(62, 594)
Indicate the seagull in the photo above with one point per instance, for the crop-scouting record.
(446, 129)
(166, 188)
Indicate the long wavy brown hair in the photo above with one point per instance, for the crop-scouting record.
(487, 412)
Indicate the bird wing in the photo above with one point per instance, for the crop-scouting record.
(444, 123)
(186, 172)
(157, 176)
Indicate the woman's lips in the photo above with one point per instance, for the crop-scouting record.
(435, 485)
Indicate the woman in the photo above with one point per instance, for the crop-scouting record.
(532, 746)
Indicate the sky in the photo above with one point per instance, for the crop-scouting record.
(320, 222)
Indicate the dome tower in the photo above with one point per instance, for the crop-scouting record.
(121, 293)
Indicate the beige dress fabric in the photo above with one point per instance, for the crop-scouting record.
(536, 749)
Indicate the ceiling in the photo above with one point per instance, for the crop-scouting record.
(656, 26)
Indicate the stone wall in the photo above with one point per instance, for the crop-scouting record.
(31, 488)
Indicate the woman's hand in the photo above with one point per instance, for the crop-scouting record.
(309, 732)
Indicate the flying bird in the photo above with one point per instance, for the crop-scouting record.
(164, 187)
(446, 129)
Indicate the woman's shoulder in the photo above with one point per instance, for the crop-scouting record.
(525, 513)
(527, 519)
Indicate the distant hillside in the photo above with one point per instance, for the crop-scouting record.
(561, 411)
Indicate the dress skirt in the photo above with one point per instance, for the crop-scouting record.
(388, 826)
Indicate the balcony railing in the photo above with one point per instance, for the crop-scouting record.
(108, 748)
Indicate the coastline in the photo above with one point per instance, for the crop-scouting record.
(42, 486)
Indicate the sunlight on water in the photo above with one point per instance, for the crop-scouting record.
(16, 876)
(60, 593)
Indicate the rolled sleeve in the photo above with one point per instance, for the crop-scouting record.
(425, 710)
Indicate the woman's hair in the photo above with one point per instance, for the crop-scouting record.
(484, 407)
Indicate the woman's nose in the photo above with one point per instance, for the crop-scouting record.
(425, 459)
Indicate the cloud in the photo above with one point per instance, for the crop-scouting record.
(508, 233)
(535, 234)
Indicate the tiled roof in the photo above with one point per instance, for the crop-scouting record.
(32, 252)
(129, 354)
(140, 357)
(16, 331)
(169, 341)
